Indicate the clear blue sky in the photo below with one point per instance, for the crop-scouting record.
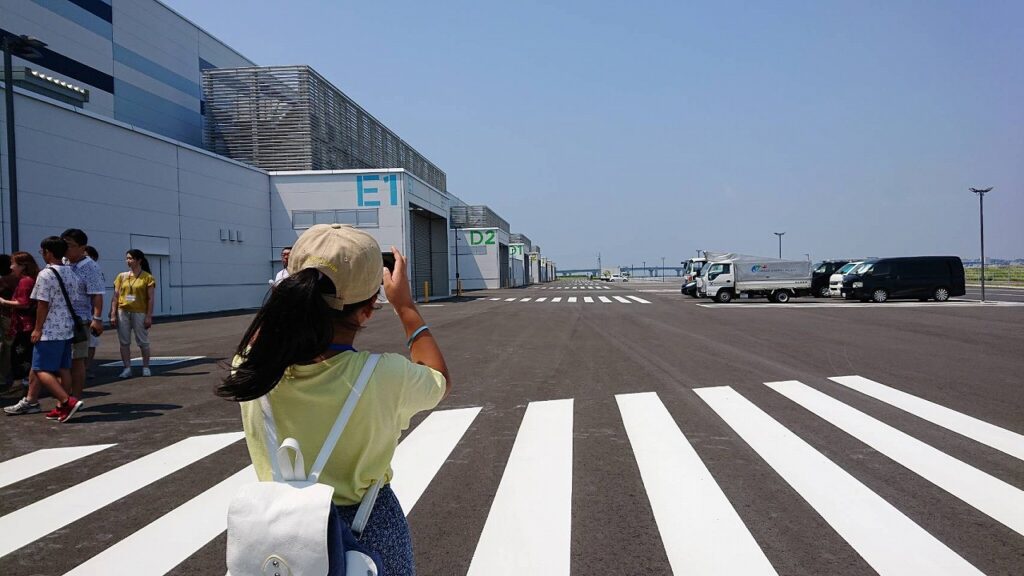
(651, 129)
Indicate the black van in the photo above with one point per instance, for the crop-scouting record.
(822, 272)
(920, 277)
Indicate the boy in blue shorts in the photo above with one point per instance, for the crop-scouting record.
(51, 357)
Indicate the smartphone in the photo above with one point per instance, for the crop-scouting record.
(389, 261)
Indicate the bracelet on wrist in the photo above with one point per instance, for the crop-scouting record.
(416, 333)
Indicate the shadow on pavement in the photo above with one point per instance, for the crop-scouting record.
(120, 412)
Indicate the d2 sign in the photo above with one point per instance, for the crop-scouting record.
(481, 237)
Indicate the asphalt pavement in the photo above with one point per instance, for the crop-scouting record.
(592, 429)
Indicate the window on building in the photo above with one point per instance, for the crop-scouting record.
(361, 218)
(303, 219)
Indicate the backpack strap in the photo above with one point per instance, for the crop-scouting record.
(346, 412)
(276, 451)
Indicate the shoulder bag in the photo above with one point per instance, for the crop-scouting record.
(80, 333)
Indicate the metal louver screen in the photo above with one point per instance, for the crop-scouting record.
(291, 118)
(503, 265)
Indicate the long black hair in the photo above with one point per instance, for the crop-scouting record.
(294, 326)
(139, 257)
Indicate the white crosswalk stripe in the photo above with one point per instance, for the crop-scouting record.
(889, 541)
(27, 466)
(700, 529)
(698, 526)
(621, 299)
(999, 438)
(541, 299)
(605, 299)
(640, 300)
(43, 517)
(588, 299)
(572, 299)
(558, 299)
(992, 496)
(537, 483)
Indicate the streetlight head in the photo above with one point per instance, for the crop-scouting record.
(981, 191)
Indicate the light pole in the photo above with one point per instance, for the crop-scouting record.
(25, 47)
(779, 234)
(458, 279)
(646, 270)
(662, 268)
(981, 213)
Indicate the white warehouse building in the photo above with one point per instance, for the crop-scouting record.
(124, 155)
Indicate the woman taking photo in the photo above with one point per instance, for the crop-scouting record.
(23, 319)
(299, 352)
(131, 309)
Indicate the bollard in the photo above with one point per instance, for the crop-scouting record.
(426, 292)
(458, 287)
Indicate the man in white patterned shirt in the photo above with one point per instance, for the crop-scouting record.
(88, 301)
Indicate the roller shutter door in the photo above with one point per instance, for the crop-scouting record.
(503, 265)
(420, 253)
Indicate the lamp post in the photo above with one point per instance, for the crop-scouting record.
(662, 268)
(779, 234)
(981, 212)
(458, 279)
(24, 47)
(645, 268)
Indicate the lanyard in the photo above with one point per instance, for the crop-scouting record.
(341, 348)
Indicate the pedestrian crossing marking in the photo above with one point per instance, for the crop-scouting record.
(38, 519)
(27, 466)
(525, 300)
(527, 530)
(541, 299)
(163, 544)
(541, 462)
(990, 495)
(422, 453)
(572, 299)
(640, 300)
(700, 529)
(588, 299)
(605, 299)
(495, 299)
(887, 540)
(509, 299)
(621, 299)
(558, 299)
(988, 434)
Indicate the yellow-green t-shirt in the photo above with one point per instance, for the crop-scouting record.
(306, 403)
(132, 291)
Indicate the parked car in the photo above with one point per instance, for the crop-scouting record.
(835, 281)
(921, 277)
(821, 274)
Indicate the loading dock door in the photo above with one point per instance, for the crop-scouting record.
(420, 252)
(503, 266)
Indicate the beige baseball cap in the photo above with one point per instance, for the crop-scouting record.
(349, 257)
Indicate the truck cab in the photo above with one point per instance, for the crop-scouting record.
(693, 268)
(718, 281)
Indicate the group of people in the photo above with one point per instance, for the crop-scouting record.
(51, 319)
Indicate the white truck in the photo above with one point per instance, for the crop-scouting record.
(729, 276)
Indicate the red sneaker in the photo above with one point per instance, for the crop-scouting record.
(69, 408)
(53, 414)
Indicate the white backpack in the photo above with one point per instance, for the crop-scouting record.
(279, 528)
